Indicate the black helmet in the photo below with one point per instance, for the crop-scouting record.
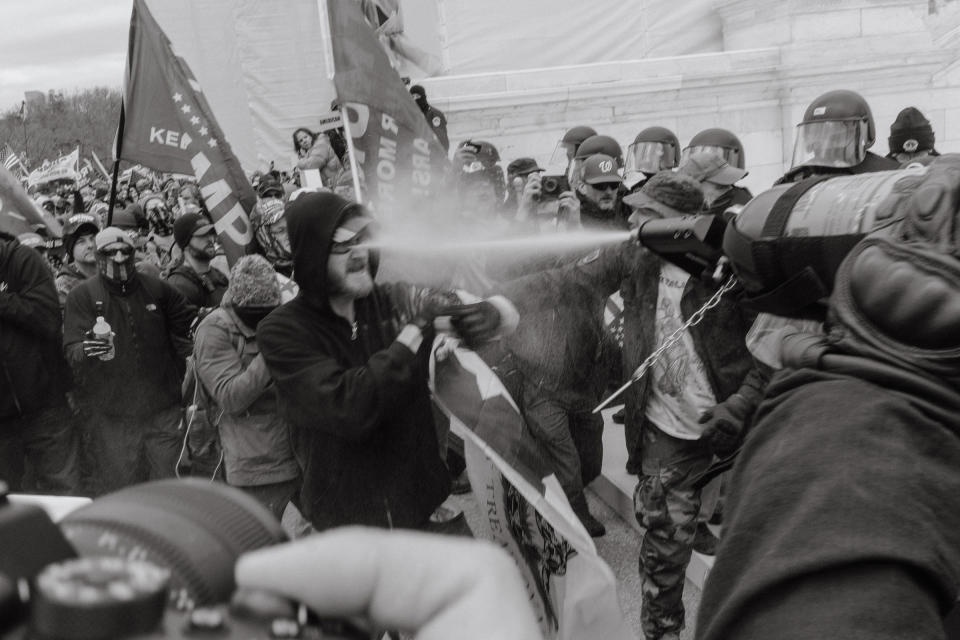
(578, 134)
(836, 131)
(653, 150)
(600, 144)
(721, 142)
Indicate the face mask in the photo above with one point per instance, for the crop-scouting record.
(251, 316)
(119, 272)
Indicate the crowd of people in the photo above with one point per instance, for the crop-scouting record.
(322, 402)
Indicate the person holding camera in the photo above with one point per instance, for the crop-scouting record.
(128, 380)
(349, 358)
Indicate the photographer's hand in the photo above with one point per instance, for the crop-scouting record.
(569, 210)
(435, 587)
(529, 199)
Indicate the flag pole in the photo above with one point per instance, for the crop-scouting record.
(116, 169)
(331, 70)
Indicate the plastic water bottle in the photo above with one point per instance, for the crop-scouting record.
(102, 331)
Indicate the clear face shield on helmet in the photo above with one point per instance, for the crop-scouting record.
(731, 155)
(562, 154)
(830, 143)
(650, 157)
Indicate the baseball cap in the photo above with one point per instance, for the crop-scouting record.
(711, 167)
(77, 225)
(600, 168)
(669, 193)
(189, 225)
(523, 166)
(30, 239)
(111, 235)
(350, 227)
(269, 184)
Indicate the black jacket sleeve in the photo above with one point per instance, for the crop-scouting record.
(322, 393)
(180, 314)
(33, 306)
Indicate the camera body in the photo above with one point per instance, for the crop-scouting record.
(151, 561)
(551, 186)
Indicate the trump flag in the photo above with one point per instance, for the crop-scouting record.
(167, 125)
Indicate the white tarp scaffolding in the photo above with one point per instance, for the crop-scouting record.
(261, 63)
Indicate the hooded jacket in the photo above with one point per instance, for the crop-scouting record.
(32, 372)
(356, 399)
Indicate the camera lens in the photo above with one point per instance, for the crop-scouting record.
(549, 185)
(195, 529)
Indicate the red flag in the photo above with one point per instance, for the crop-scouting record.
(168, 125)
(399, 156)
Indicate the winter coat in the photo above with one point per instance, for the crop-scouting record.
(438, 124)
(719, 339)
(203, 291)
(254, 436)
(321, 156)
(67, 278)
(841, 519)
(33, 374)
(356, 399)
(151, 321)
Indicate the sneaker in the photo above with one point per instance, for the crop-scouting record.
(461, 484)
(704, 542)
(593, 526)
(446, 512)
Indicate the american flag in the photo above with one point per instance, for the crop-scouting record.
(9, 158)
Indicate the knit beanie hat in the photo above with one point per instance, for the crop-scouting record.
(910, 132)
(670, 193)
(253, 283)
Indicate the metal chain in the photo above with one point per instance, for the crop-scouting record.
(695, 318)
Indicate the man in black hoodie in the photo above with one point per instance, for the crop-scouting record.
(349, 358)
(35, 425)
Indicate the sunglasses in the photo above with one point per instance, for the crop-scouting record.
(606, 186)
(123, 252)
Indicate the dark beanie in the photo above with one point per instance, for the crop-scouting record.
(910, 132)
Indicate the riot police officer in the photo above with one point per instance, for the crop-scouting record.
(653, 150)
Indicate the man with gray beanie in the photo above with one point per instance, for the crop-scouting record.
(257, 456)
(128, 383)
(669, 418)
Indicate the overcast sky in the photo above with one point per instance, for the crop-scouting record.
(61, 44)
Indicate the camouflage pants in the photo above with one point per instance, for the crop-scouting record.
(667, 506)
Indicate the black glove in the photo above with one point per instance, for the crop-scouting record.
(94, 348)
(475, 323)
(725, 422)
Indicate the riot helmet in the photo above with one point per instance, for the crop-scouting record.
(653, 150)
(719, 141)
(592, 146)
(836, 131)
(566, 148)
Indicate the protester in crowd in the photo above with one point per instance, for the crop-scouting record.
(37, 436)
(591, 146)
(128, 384)
(520, 172)
(200, 283)
(709, 368)
(911, 137)
(159, 239)
(717, 180)
(599, 193)
(434, 117)
(257, 456)
(270, 226)
(834, 138)
(190, 200)
(314, 152)
(350, 362)
(81, 253)
(337, 137)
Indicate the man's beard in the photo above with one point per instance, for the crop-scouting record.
(606, 204)
(354, 284)
(203, 255)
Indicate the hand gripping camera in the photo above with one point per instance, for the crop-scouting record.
(154, 560)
